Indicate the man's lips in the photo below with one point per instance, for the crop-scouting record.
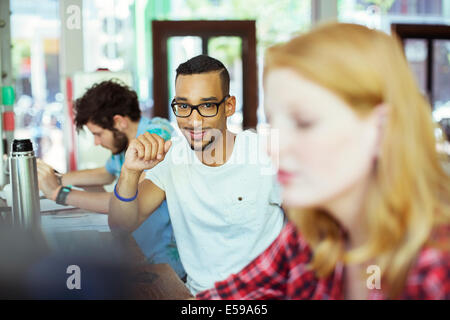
(197, 134)
(284, 176)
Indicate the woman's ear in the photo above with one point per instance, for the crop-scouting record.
(230, 106)
(381, 117)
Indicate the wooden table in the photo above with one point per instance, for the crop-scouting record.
(145, 281)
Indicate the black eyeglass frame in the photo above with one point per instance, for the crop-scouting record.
(195, 107)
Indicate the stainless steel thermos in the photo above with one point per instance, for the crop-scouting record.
(24, 183)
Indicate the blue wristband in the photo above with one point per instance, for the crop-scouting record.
(124, 199)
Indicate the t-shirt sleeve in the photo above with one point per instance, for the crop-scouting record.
(159, 174)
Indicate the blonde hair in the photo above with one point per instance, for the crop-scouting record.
(409, 193)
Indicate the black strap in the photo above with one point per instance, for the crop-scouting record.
(62, 195)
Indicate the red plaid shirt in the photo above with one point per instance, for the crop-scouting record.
(280, 273)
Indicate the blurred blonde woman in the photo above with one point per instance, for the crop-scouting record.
(368, 200)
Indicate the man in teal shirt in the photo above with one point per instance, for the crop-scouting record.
(110, 110)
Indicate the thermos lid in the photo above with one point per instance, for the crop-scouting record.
(22, 145)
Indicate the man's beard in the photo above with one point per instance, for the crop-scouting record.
(203, 147)
(120, 141)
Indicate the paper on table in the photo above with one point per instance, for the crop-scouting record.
(45, 204)
(50, 205)
(75, 222)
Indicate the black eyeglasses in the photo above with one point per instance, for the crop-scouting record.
(206, 109)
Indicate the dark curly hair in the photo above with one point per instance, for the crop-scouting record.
(204, 64)
(103, 101)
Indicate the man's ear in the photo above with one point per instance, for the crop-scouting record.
(120, 122)
(230, 106)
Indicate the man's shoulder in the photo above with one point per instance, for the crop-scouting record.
(248, 133)
(246, 138)
(252, 147)
(146, 124)
(251, 135)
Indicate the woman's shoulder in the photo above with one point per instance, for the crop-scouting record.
(429, 277)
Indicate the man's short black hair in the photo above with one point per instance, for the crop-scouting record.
(103, 101)
(204, 64)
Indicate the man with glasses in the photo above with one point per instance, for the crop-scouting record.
(223, 202)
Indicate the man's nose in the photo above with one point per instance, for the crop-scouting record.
(195, 119)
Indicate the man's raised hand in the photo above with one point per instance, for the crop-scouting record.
(145, 152)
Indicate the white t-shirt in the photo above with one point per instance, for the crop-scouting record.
(222, 217)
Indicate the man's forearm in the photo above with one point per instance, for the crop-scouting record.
(92, 201)
(89, 177)
(122, 214)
